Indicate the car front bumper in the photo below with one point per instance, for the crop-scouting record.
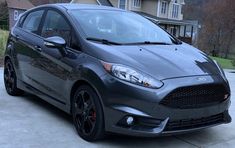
(122, 99)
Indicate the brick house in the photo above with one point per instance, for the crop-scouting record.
(15, 8)
(165, 13)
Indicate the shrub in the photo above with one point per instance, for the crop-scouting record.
(233, 61)
(3, 40)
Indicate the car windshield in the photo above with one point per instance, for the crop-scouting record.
(120, 27)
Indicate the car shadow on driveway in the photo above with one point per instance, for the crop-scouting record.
(61, 123)
(113, 140)
(47, 107)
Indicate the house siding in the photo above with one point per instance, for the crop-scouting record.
(150, 7)
(86, 1)
(12, 20)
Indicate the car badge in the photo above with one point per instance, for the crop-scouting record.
(201, 79)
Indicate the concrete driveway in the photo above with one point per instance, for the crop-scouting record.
(27, 122)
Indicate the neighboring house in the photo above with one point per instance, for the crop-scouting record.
(165, 13)
(15, 8)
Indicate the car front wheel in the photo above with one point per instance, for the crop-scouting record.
(88, 114)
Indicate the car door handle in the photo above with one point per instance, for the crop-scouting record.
(17, 37)
(38, 48)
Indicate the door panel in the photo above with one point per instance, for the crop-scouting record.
(24, 46)
(53, 72)
(27, 55)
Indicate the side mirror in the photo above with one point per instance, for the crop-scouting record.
(56, 42)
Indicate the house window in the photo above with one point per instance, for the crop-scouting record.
(173, 30)
(175, 11)
(16, 15)
(137, 3)
(122, 4)
(163, 7)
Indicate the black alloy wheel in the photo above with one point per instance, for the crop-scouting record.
(88, 114)
(10, 79)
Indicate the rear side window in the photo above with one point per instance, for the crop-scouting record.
(32, 21)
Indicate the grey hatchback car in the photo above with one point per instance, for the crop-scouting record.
(114, 71)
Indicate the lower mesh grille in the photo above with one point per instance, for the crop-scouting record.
(195, 96)
(194, 123)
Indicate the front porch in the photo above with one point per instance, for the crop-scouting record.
(185, 30)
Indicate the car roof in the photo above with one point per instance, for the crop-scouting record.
(76, 6)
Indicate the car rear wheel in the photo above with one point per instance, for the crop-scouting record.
(88, 114)
(10, 79)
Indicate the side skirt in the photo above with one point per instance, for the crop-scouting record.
(53, 101)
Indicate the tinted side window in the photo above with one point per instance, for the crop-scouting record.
(32, 21)
(56, 25)
(21, 20)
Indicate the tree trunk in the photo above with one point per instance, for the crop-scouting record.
(229, 44)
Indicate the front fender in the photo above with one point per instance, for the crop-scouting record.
(89, 71)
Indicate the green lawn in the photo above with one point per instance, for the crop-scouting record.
(225, 63)
(3, 40)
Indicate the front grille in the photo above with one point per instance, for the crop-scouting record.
(195, 96)
(194, 123)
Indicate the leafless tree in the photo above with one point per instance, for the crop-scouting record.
(217, 18)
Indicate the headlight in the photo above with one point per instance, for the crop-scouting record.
(131, 75)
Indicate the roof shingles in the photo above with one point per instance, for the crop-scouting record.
(19, 4)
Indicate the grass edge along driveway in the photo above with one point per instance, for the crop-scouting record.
(225, 63)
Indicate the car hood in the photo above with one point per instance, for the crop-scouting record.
(159, 61)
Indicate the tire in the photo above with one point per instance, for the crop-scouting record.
(87, 114)
(10, 79)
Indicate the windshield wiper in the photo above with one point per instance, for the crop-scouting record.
(103, 41)
(149, 43)
(179, 42)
